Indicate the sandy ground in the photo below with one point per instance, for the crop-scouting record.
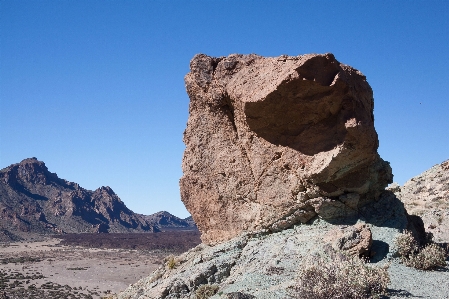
(83, 271)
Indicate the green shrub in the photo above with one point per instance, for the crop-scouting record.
(205, 291)
(349, 278)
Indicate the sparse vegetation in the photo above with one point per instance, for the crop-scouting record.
(429, 257)
(15, 285)
(171, 262)
(205, 291)
(21, 260)
(406, 245)
(349, 278)
(22, 275)
(173, 241)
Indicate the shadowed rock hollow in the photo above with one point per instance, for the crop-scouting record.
(274, 141)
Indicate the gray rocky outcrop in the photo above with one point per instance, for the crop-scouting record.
(274, 141)
(427, 196)
(265, 265)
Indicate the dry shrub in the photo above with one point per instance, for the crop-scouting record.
(428, 257)
(171, 262)
(349, 278)
(406, 244)
(205, 291)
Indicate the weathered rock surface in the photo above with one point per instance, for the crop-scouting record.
(282, 152)
(356, 240)
(264, 265)
(271, 142)
(427, 195)
(34, 200)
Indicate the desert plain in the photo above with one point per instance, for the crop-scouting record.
(105, 264)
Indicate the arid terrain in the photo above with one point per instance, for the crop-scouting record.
(285, 185)
(58, 240)
(104, 264)
(282, 176)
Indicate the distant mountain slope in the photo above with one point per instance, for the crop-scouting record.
(166, 221)
(427, 195)
(190, 221)
(34, 200)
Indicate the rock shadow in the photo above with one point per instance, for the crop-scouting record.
(400, 293)
(293, 118)
(380, 250)
(388, 211)
(25, 191)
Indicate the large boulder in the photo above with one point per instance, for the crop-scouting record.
(274, 141)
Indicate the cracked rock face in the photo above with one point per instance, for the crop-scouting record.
(274, 141)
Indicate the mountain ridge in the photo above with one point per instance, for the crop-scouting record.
(34, 200)
(167, 221)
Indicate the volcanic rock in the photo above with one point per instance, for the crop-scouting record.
(34, 200)
(266, 265)
(355, 240)
(258, 185)
(274, 141)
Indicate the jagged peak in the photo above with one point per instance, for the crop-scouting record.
(29, 170)
(27, 161)
(106, 189)
(163, 213)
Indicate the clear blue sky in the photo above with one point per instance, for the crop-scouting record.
(95, 88)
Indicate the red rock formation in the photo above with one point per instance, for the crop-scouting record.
(275, 141)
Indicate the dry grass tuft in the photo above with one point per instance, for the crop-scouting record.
(350, 278)
(171, 262)
(205, 291)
